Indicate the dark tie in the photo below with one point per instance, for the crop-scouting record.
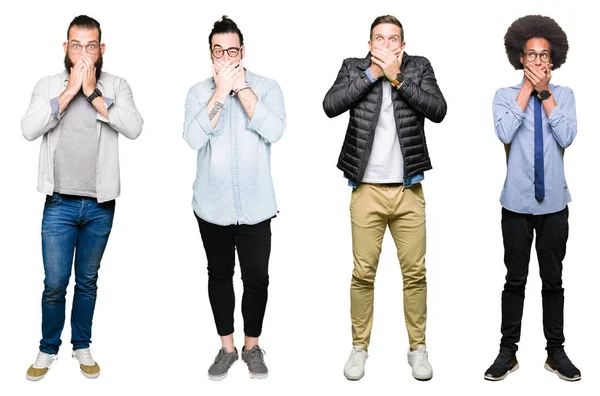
(538, 162)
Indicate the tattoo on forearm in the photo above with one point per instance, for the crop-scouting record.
(217, 106)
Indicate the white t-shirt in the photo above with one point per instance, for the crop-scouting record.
(386, 164)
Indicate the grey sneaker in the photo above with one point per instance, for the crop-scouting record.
(255, 360)
(218, 370)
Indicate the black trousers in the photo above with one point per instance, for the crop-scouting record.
(552, 231)
(253, 244)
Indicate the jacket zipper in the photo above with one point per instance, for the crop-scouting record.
(365, 160)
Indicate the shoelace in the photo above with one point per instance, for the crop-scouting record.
(256, 355)
(84, 356)
(421, 357)
(223, 358)
(42, 360)
(355, 358)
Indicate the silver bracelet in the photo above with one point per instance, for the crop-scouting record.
(237, 91)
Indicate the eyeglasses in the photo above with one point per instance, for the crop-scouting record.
(219, 51)
(532, 55)
(90, 48)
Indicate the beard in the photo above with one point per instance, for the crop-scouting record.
(69, 64)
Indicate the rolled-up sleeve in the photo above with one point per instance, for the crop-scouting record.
(508, 116)
(39, 117)
(268, 119)
(123, 115)
(197, 128)
(563, 119)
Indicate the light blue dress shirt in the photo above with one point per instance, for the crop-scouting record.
(515, 127)
(233, 180)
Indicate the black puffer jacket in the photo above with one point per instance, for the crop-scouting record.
(418, 98)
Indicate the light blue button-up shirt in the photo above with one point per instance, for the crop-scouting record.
(233, 180)
(515, 127)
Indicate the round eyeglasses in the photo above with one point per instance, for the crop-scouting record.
(532, 55)
(219, 51)
(90, 48)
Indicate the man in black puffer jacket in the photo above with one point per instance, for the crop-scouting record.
(384, 155)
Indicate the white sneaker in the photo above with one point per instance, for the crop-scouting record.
(355, 366)
(89, 368)
(40, 367)
(418, 360)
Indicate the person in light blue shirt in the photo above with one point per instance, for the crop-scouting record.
(231, 120)
(536, 121)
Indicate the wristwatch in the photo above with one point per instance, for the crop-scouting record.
(545, 94)
(94, 95)
(398, 80)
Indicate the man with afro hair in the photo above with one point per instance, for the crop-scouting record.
(536, 121)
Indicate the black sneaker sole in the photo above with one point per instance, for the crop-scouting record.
(562, 377)
(490, 378)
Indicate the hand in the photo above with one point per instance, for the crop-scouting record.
(75, 78)
(527, 85)
(89, 76)
(241, 80)
(399, 53)
(226, 76)
(216, 67)
(376, 71)
(538, 77)
(387, 61)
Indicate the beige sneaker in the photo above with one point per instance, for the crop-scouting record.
(89, 368)
(43, 363)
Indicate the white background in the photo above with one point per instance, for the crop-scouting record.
(153, 328)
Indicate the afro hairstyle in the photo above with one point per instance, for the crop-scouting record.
(531, 26)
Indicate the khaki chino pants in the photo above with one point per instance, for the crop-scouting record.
(374, 207)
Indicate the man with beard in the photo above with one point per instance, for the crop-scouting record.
(231, 120)
(80, 114)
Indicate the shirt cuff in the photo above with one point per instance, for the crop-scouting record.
(411, 181)
(55, 107)
(516, 110)
(368, 73)
(259, 116)
(107, 103)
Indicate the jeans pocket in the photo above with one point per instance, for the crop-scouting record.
(53, 199)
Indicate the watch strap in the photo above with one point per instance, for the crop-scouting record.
(544, 97)
(396, 82)
(94, 95)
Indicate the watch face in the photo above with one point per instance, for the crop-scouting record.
(544, 94)
(400, 77)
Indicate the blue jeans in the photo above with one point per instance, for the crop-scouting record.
(72, 226)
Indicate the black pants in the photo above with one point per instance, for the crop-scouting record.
(552, 231)
(253, 244)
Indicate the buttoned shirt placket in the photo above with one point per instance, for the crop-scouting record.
(234, 158)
